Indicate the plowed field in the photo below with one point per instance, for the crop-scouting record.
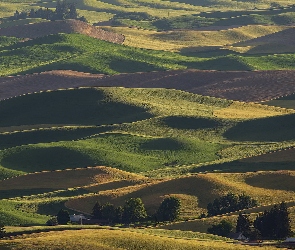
(248, 86)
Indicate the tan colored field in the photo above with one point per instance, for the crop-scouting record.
(196, 191)
(106, 239)
(249, 86)
(195, 40)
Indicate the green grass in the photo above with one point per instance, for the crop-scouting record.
(82, 53)
(12, 214)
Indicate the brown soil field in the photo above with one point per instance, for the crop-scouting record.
(286, 155)
(63, 26)
(247, 86)
(284, 37)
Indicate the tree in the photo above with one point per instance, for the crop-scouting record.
(275, 223)
(134, 210)
(119, 211)
(243, 224)
(97, 211)
(221, 229)
(283, 229)
(169, 209)
(108, 212)
(2, 231)
(52, 222)
(230, 203)
(63, 217)
(73, 11)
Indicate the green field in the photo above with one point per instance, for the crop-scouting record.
(82, 53)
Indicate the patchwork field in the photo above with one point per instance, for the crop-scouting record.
(148, 99)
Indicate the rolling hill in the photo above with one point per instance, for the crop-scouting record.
(156, 99)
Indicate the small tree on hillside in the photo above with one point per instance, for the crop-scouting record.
(243, 224)
(169, 209)
(97, 211)
(63, 217)
(134, 210)
(275, 223)
(108, 212)
(119, 212)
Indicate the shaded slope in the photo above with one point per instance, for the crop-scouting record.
(279, 42)
(64, 26)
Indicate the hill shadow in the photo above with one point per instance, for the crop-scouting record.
(162, 144)
(277, 129)
(8, 140)
(50, 158)
(273, 181)
(86, 106)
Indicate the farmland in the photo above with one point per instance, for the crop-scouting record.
(148, 99)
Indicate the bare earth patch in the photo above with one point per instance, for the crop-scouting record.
(247, 86)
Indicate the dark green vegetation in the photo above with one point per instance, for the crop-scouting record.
(223, 228)
(230, 203)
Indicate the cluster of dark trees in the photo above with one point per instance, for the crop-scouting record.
(63, 10)
(272, 224)
(275, 223)
(230, 203)
(134, 211)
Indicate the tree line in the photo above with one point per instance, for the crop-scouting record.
(132, 211)
(63, 10)
(230, 203)
(271, 224)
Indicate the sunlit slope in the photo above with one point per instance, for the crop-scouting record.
(112, 239)
(194, 40)
(137, 130)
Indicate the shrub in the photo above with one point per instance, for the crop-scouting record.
(52, 222)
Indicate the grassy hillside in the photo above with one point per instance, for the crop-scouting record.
(82, 53)
(165, 128)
